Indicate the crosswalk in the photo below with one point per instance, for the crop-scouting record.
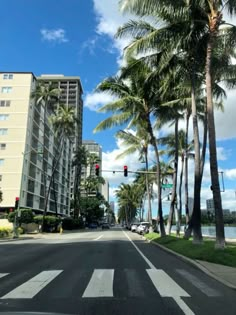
(102, 283)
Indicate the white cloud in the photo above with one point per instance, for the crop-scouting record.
(54, 35)
(94, 101)
(109, 19)
(230, 174)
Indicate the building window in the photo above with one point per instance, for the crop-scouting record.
(0, 178)
(5, 103)
(7, 76)
(2, 146)
(4, 117)
(3, 131)
(6, 89)
(1, 162)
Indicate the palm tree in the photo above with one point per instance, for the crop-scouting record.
(213, 11)
(146, 39)
(46, 97)
(129, 200)
(138, 142)
(63, 123)
(135, 105)
(80, 159)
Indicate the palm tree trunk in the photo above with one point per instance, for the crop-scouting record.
(195, 221)
(204, 143)
(50, 183)
(220, 234)
(174, 188)
(148, 188)
(154, 144)
(186, 168)
(55, 195)
(180, 188)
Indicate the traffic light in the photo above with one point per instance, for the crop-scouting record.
(17, 203)
(125, 171)
(97, 167)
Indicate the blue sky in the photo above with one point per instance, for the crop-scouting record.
(75, 37)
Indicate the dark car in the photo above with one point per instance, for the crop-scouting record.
(105, 225)
(93, 225)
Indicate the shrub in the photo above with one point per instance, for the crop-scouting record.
(70, 223)
(25, 217)
(51, 222)
(4, 231)
(20, 230)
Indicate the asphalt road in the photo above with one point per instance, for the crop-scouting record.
(104, 272)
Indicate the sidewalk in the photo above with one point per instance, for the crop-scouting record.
(223, 274)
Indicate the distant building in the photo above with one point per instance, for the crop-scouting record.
(112, 205)
(93, 148)
(105, 190)
(190, 205)
(210, 205)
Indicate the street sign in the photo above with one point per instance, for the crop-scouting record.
(167, 185)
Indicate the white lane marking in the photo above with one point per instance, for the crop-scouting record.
(98, 238)
(100, 284)
(169, 288)
(3, 275)
(144, 257)
(160, 283)
(184, 307)
(33, 286)
(198, 283)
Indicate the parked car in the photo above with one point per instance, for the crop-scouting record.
(143, 228)
(93, 225)
(134, 227)
(105, 225)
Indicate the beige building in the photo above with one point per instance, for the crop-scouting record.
(22, 168)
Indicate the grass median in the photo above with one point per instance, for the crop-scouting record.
(205, 251)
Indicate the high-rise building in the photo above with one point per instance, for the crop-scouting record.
(23, 137)
(95, 149)
(71, 95)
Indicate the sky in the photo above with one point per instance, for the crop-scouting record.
(76, 38)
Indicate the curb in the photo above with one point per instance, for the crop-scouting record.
(195, 263)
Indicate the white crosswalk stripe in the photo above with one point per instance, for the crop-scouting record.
(32, 287)
(198, 283)
(100, 284)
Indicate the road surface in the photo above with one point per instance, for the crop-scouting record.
(104, 272)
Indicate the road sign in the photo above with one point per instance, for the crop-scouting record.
(167, 185)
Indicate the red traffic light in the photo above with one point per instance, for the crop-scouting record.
(125, 170)
(17, 198)
(97, 167)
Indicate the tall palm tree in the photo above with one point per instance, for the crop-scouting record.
(63, 123)
(129, 200)
(213, 10)
(138, 142)
(136, 104)
(146, 38)
(80, 159)
(191, 26)
(46, 97)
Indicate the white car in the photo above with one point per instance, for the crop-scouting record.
(134, 227)
(143, 226)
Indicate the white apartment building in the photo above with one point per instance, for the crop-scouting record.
(22, 169)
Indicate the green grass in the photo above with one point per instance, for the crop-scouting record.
(205, 251)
